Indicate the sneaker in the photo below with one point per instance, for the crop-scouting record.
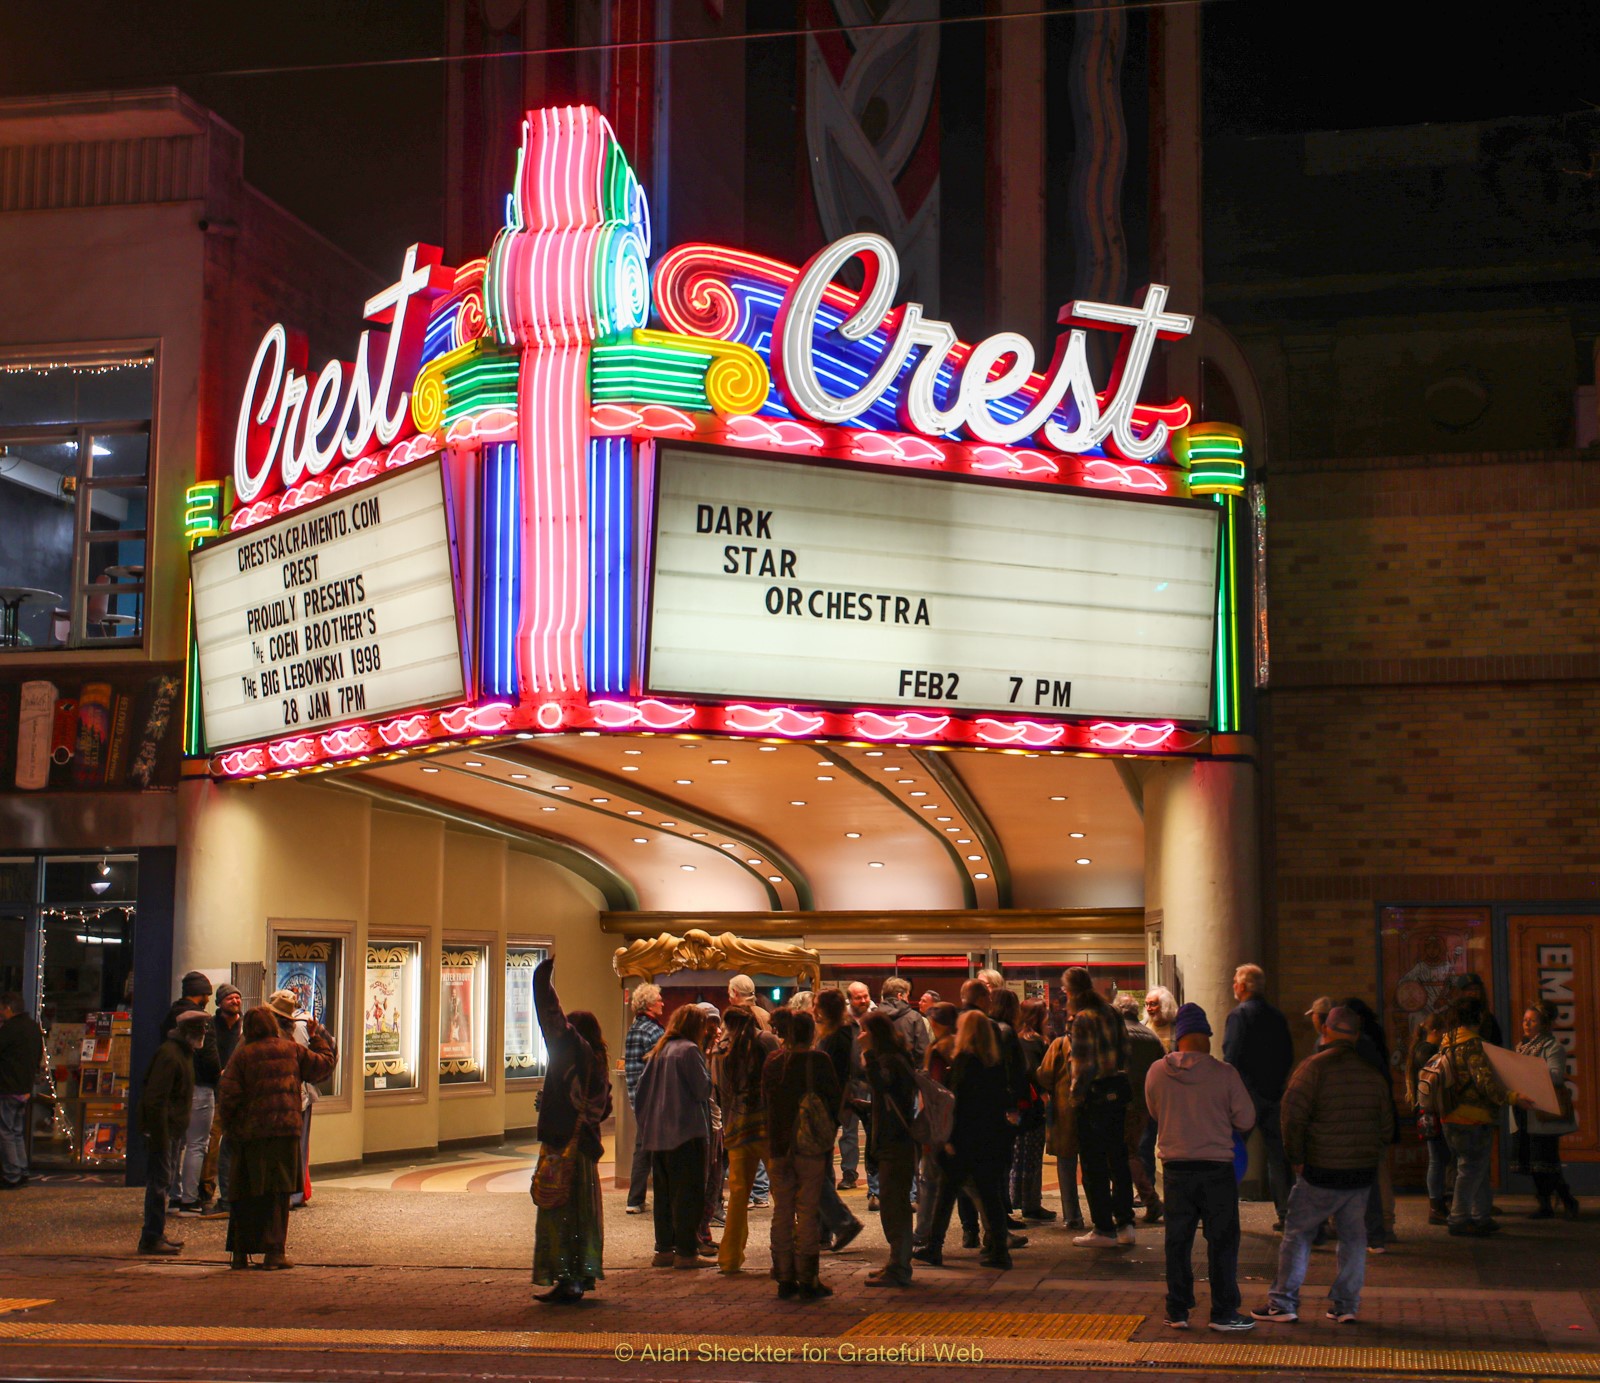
(1125, 1236)
(1234, 1324)
(635, 1209)
(1275, 1314)
(1377, 1248)
(848, 1182)
(1335, 1313)
(1177, 1322)
(1094, 1239)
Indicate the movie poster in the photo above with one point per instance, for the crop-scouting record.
(520, 1036)
(1423, 948)
(308, 980)
(385, 1000)
(458, 983)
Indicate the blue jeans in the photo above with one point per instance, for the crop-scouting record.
(1471, 1144)
(850, 1150)
(13, 1139)
(833, 1214)
(761, 1187)
(1201, 1194)
(159, 1179)
(195, 1142)
(1438, 1168)
(1309, 1207)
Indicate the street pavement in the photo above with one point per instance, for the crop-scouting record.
(402, 1283)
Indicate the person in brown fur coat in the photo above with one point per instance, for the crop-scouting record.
(258, 1101)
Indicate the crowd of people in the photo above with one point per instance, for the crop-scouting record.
(954, 1106)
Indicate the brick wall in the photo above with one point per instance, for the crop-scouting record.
(1432, 734)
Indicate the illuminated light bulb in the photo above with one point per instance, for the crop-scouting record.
(767, 748)
(797, 804)
(825, 763)
(641, 840)
(633, 751)
(630, 768)
(974, 857)
(752, 861)
(600, 801)
(919, 793)
(687, 868)
(684, 782)
(874, 864)
(874, 753)
(519, 776)
(547, 809)
(719, 761)
(561, 787)
(941, 818)
(1084, 859)
(1058, 799)
(1075, 835)
(824, 777)
(774, 878)
(697, 835)
(474, 763)
(668, 825)
(980, 876)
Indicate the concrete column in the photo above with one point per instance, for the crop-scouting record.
(1202, 872)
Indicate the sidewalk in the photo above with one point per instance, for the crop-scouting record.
(393, 1277)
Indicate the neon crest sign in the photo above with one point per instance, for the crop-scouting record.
(538, 377)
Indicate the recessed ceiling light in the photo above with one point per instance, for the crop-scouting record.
(634, 811)
(874, 864)
(941, 818)
(852, 835)
(893, 768)
(952, 828)
(825, 763)
(561, 787)
(1058, 799)
(980, 876)
(752, 861)
(874, 753)
(904, 781)
(974, 857)
(697, 835)
(630, 768)
(963, 840)
(641, 840)
(729, 845)
(824, 777)
(797, 804)
(474, 763)
(428, 768)
(774, 878)
(1075, 835)
(524, 735)
(683, 782)
(519, 775)
(767, 748)
(1085, 860)
(599, 801)
(687, 868)
(920, 792)
(669, 824)
(930, 806)
(633, 751)
(547, 809)
(719, 761)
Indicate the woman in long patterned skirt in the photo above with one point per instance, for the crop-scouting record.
(569, 1233)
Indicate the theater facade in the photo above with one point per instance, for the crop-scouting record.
(612, 589)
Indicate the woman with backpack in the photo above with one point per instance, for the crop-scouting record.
(1027, 1159)
(569, 1233)
(801, 1097)
(978, 1150)
(736, 1079)
(1537, 1145)
(890, 1114)
(673, 1108)
(1424, 1047)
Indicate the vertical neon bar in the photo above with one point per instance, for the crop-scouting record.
(500, 595)
(609, 638)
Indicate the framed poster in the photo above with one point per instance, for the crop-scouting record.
(390, 1015)
(525, 1053)
(312, 969)
(1422, 949)
(1554, 958)
(462, 1000)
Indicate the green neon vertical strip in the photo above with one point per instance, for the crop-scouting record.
(1233, 609)
(1221, 707)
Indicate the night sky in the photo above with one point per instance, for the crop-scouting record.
(359, 154)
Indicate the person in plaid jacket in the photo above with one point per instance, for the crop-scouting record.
(643, 1034)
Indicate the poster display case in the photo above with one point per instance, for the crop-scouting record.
(391, 1019)
(312, 968)
(463, 1005)
(525, 1057)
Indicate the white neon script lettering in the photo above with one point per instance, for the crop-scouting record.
(301, 442)
(967, 401)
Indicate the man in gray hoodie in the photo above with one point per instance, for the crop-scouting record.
(1199, 1104)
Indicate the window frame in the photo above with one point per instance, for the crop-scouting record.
(85, 482)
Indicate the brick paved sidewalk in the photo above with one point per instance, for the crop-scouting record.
(377, 1260)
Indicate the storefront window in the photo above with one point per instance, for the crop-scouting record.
(391, 1019)
(74, 472)
(463, 1001)
(313, 968)
(525, 1054)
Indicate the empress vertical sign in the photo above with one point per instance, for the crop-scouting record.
(338, 612)
(779, 580)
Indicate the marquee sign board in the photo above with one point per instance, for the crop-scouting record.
(855, 587)
(336, 612)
